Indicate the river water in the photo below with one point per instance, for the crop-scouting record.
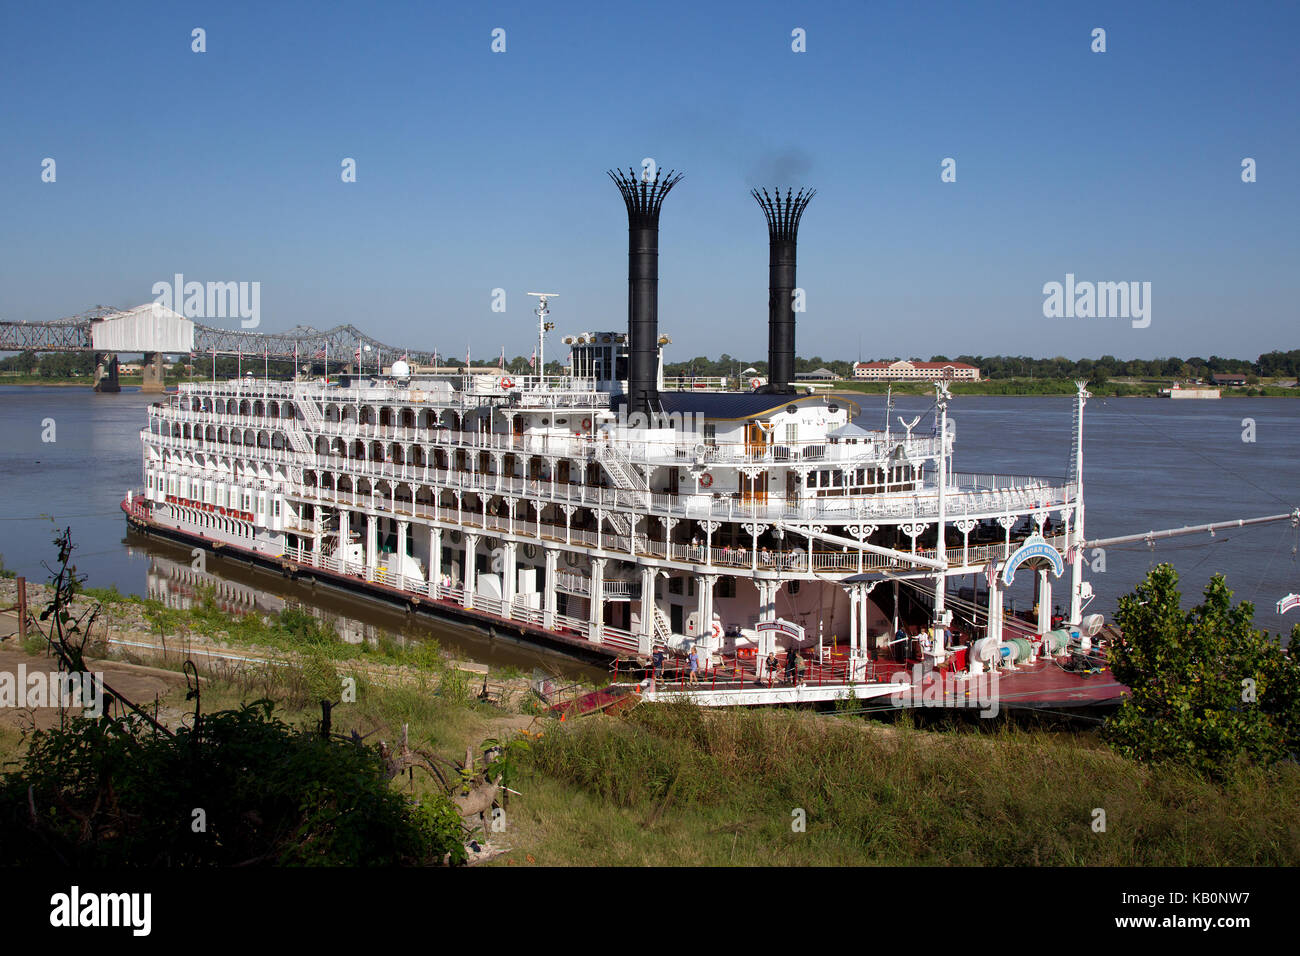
(1148, 464)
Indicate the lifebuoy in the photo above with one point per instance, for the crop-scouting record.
(586, 424)
(706, 480)
(506, 382)
(717, 630)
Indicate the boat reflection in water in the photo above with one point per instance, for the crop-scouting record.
(236, 588)
(181, 587)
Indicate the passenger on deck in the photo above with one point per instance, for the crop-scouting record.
(658, 660)
(790, 656)
(694, 664)
(771, 666)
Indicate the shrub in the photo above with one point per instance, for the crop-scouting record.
(1208, 690)
(240, 788)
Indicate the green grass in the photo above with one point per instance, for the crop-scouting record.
(679, 785)
(676, 785)
(292, 629)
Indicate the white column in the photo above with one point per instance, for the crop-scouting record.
(704, 617)
(767, 599)
(645, 637)
(470, 568)
(372, 545)
(941, 542)
(855, 598)
(1076, 570)
(766, 612)
(510, 577)
(596, 617)
(864, 638)
(1044, 600)
(995, 609)
(895, 630)
(401, 553)
(549, 593)
(435, 562)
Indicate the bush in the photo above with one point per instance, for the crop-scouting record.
(1208, 690)
(240, 788)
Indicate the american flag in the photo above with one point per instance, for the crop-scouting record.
(502, 363)
(320, 354)
(532, 359)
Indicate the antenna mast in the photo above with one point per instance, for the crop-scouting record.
(542, 327)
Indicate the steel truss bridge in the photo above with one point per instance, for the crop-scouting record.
(170, 333)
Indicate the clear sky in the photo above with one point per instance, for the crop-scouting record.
(478, 170)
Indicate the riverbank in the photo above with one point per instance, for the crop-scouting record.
(1031, 387)
(677, 785)
(1025, 387)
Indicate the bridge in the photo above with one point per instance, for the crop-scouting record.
(154, 330)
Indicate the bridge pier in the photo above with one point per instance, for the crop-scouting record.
(151, 367)
(106, 372)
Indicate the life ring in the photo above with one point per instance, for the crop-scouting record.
(506, 382)
(716, 630)
(706, 480)
(586, 424)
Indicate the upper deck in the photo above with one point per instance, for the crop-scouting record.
(467, 434)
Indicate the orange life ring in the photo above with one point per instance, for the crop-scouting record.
(506, 382)
(706, 480)
(586, 424)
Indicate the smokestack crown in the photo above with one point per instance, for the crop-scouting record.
(643, 196)
(783, 214)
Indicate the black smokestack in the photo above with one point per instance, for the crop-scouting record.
(783, 215)
(643, 196)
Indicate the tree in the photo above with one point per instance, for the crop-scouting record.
(1207, 689)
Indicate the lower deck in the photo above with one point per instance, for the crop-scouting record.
(888, 675)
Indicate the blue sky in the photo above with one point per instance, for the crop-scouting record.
(478, 170)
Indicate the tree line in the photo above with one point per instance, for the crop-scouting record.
(1274, 364)
(1270, 364)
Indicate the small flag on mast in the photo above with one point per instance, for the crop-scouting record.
(532, 359)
